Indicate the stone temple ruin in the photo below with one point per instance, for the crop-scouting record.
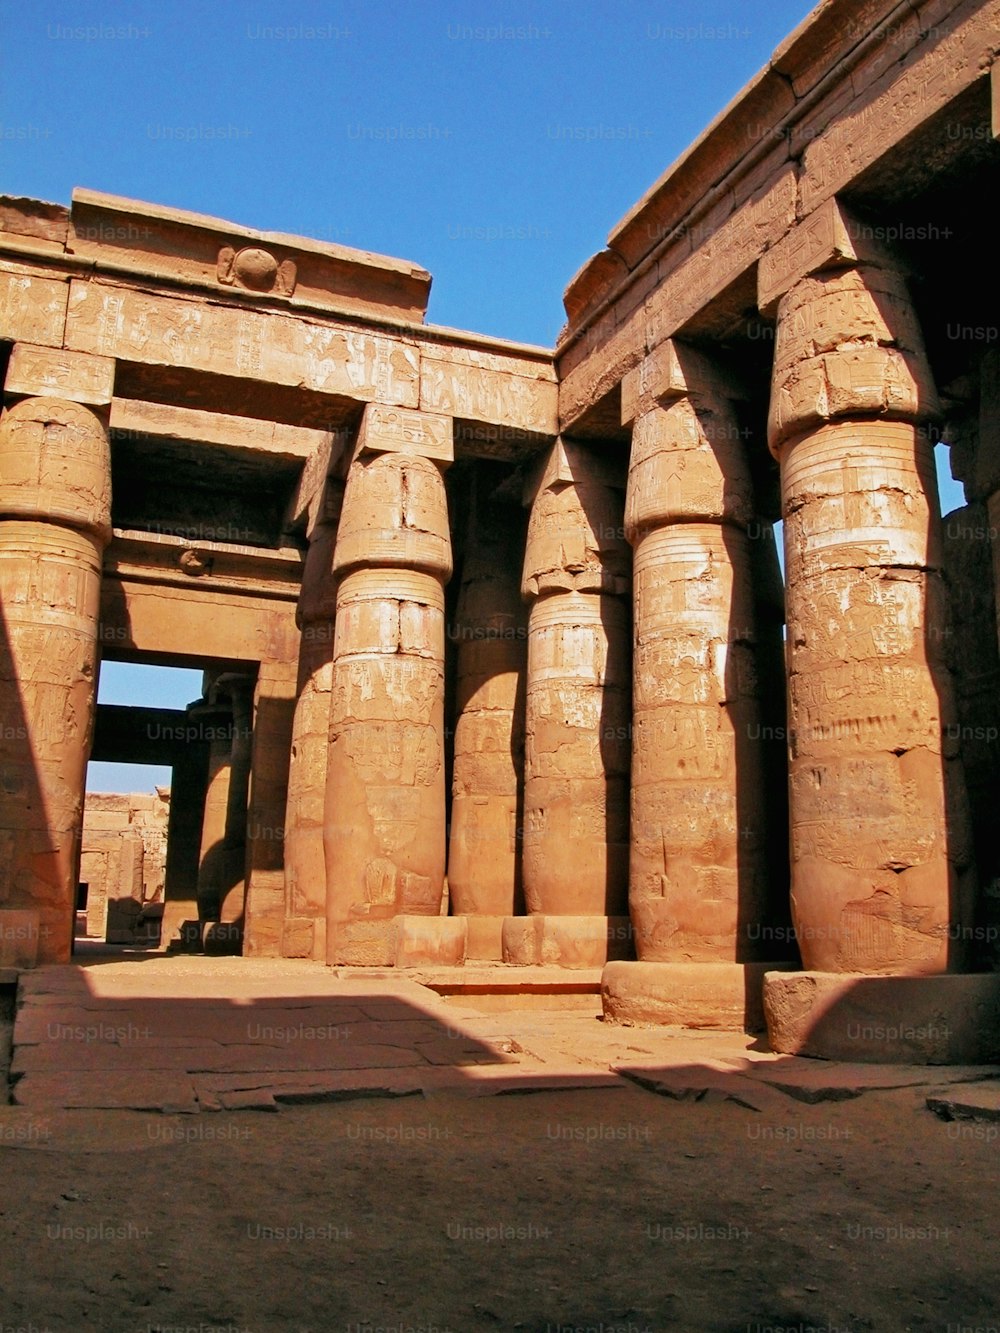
(500, 664)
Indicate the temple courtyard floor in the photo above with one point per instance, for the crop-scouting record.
(220, 1143)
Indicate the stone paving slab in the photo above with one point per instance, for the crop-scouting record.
(824, 1081)
(705, 1085)
(156, 1090)
(205, 1034)
(980, 1101)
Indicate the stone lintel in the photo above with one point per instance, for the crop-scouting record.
(830, 237)
(568, 462)
(934, 1020)
(673, 370)
(53, 372)
(394, 430)
(130, 416)
(127, 234)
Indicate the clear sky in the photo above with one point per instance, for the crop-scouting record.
(496, 144)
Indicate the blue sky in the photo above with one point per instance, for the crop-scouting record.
(495, 144)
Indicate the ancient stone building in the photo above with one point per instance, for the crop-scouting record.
(123, 857)
(492, 633)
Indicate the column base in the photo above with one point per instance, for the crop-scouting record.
(407, 940)
(430, 941)
(222, 937)
(688, 995)
(484, 943)
(304, 937)
(541, 940)
(177, 914)
(20, 930)
(945, 1019)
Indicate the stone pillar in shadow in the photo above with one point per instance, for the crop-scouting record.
(304, 933)
(575, 841)
(881, 858)
(215, 718)
(227, 938)
(180, 930)
(384, 833)
(484, 859)
(55, 521)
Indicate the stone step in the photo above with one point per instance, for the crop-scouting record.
(494, 989)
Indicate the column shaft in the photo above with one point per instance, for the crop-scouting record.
(575, 845)
(879, 827)
(484, 858)
(698, 881)
(54, 525)
(385, 799)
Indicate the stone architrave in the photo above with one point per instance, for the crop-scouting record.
(55, 520)
(384, 832)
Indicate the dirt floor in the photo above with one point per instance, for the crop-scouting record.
(609, 1209)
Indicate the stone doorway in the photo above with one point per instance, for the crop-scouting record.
(164, 837)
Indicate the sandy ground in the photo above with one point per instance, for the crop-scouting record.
(592, 1209)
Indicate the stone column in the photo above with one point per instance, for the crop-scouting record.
(215, 718)
(273, 715)
(575, 843)
(701, 899)
(698, 889)
(179, 929)
(55, 520)
(385, 798)
(227, 937)
(879, 831)
(484, 859)
(304, 934)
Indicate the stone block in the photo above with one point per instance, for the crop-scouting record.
(53, 372)
(394, 430)
(934, 1020)
(19, 935)
(693, 995)
(543, 940)
(484, 940)
(436, 941)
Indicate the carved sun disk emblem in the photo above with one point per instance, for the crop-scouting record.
(256, 269)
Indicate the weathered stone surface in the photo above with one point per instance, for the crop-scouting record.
(490, 630)
(885, 1020)
(72, 376)
(385, 798)
(20, 936)
(422, 941)
(698, 874)
(395, 430)
(580, 942)
(691, 995)
(476, 385)
(879, 822)
(32, 306)
(121, 234)
(162, 330)
(54, 523)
